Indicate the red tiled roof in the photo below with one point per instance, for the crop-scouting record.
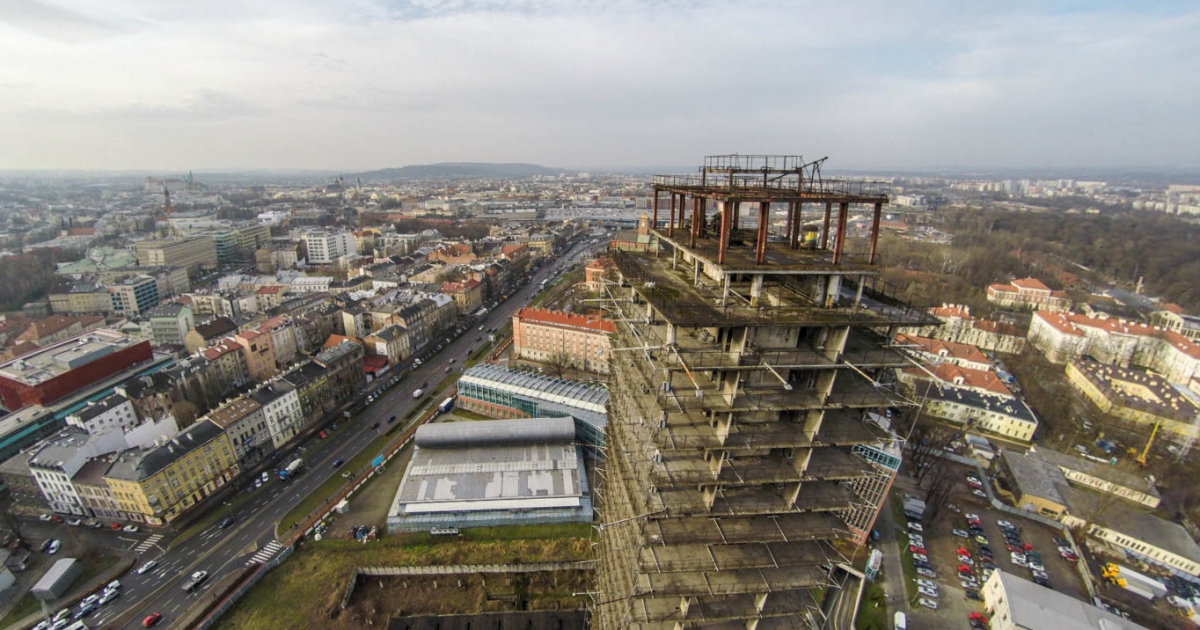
(374, 363)
(547, 317)
(225, 346)
(336, 340)
(965, 377)
(1070, 324)
(1032, 284)
(1174, 308)
(963, 351)
(600, 264)
(951, 311)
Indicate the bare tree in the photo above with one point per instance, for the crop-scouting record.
(558, 363)
(941, 488)
(13, 523)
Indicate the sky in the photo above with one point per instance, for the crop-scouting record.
(351, 85)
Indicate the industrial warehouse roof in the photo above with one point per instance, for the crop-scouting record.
(1038, 608)
(572, 393)
(457, 434)
(486, 465)
(64, 356)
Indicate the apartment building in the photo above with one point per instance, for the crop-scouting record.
(1065, 337)
(326, 247)
(1028, 293)
(245, 425)
(580, 341)
(158, 484)
(169, 324)
(280, 404)
(194, 253)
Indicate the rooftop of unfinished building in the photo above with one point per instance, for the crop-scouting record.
(677, 296)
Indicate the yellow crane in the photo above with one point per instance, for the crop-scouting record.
(1141, 458)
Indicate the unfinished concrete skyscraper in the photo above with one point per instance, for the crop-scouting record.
(743, 364)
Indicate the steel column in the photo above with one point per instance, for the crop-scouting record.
(840, 241)
(760, 246)
(695, 220)
(875, 232)
(825, 229)
(654, 220)
(726, 219)
(671, 223)
(788, 230)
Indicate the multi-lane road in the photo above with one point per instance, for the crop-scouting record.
(252, 536)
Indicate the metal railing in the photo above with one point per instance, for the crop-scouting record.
(774, 183)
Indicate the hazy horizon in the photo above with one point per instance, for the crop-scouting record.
(925, 87)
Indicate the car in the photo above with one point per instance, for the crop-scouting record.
(966, 560)
(979, 493)
(425, 384)
(915, 526)
(337, 463)
(108, 597)
(981, 540)
(75, 522)
(1065, 549)
(975, 484)
(53, 547)
(375, 427)
(347, 474)
(1032, 555)
(962, 568)
(44, 625)
(131, 529)
(151, 619)
(46, 518)
(960, 533)
(974, 478)
(976, 616)
(973, 518)
(1027, 547)
(391, 419)
(226, 522)
(922, 571)
(195, 580)
(85, 610)
(1034, 565)
(914, 539)
(921, 557)
(922, 565)
(114, 585)
(1012, 547)
(987, 567)
(1019, 561)
(973, 594)
(479, 339)
(1069, 557)
(60, 615)
(968, 584)
(1039, 573)
(926, 583)
(452, 359)
(90, 599)
(954, 508)
(1042, 582)
(927, 592)
(149, 566)
(322, 435)
(916, 549)
(928, 603)
(1006, 524)
(1062, 542)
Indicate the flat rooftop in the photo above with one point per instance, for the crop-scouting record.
(493, 465)
(1037, 608)
(58, 359)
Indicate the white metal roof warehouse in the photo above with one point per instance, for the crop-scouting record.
(537, 396)
(498, 472)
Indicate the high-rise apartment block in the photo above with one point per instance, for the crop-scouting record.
(746, 358)
(195, 253)
(326, 247)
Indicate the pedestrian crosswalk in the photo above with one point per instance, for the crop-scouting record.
(265, 553)
(145, 545)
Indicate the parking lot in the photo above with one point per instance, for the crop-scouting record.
(941, 547)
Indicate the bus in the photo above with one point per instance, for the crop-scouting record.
(446, 405)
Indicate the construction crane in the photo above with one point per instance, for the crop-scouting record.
(1141, 457)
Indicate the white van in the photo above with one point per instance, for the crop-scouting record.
(417, 394)
(900, 621)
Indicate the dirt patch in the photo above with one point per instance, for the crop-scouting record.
(369, 506)
(375, 599)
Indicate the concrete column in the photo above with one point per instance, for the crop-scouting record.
(670, 333)
(725, 296)
(835, 288)
(862, 282)
(756, 285)
(671, 223)
(695, 271)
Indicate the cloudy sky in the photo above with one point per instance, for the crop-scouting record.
(357, 84)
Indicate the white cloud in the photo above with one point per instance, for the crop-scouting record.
(595, 83)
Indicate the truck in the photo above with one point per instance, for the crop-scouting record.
(291, 469)
(417, 394)
(545, 282)
(446, 405)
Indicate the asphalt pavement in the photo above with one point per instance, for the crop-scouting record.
(221, 551)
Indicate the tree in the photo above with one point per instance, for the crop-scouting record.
(185, 413)
(13, 523)
(558, 363)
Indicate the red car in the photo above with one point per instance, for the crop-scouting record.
(1027, 547)
(962, 551)
(916, 549)
(322, 434)
(115, 527)
(1014, 548)
(151, 620)
(977, 617)
(962, 568)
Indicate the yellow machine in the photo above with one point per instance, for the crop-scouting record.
(1141, 458)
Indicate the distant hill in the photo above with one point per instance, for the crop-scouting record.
(460, 170)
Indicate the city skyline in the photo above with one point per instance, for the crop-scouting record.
(591, 85)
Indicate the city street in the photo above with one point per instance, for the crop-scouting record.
(221, 551)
